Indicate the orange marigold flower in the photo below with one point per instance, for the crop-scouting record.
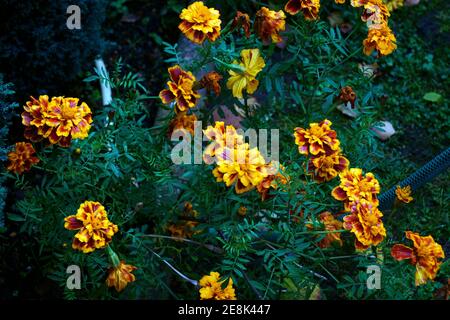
(182, 121)
(211, 288)
(185, 227)
(331, 224)
(181, 89)
(210, 81)
(268, 24)
(221, 136)
(60, 120)
(245, 78)
(404, 194)
(382, 40)
(309, 8)
(319, 138)
(22, 158)
(327, 167)
(348, 95)
(242, 211)
(424, 255)
(339, 1)
(375, 12)
(243, 167)
(365, 222)
(273, 179)
(354, 186)
(120, 276)
(200, 22)
(241, 20)
(95, 230)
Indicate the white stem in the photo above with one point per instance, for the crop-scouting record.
(104, 85)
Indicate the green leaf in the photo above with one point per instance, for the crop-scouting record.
(432, 97)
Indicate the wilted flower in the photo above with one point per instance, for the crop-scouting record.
(186, 224)
(268, 24)
(354, 186)
(365, 222)
(244, 76)
(404, 194)
(200, 22)
(211, 288)
(382, 40)
(210, 81)
(272, 180)
(424, 255)
(241, 20)
(95, 230)
(319, 138)
(181, 89)
(120, 275)
(348, 95)
(331, 224)
(22, 158)
(309, 8)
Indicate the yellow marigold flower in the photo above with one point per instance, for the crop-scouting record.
(319, 138)
(375, 13)
(365, 222)
(241, 20)
(22, 158)
(95, 230)
(330, 223)
(339, 1)
(382, 40)
(221, 136)
(243, 167)
(120, 276)
(181, 89)
(211, 288)
(404, 194)
(268, 24)
(210, 82)
(273, 179)
(354, 186)
(60, 120)
(200, 22)
(252, 63)
(182, 121)
(309, 8)
(424, 255)
(327, 167)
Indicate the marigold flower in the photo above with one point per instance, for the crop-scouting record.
(221, 136)
(241, 20)
(365, 222)
(252, 63)
(242, 211)
(339, 1)
(211, 288)
(22, 158)
(268, 24)
(200, 22)
(327, 167)
(331, 224)
(182, 121)
(375, 13)
(95, 230)
(59, 120)
(394, 4)
(404, 194)
(309, 8)
(319, 138)
(272, 180)
(120, 276)
(354, 186)
(382, 40)
(185, 227)
(348, 95)
(243, 167)
(181, 89)
(210, 81)
(424, 255)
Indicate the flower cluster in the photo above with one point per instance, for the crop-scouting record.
(211, 288)
(404, 194)
(309, 8)
(321, 143)
(424, 255)
(95, 230)
(380, 37)
(268, 24)
(22, 158)
(200, 23)
(60, 120)
(359, 194)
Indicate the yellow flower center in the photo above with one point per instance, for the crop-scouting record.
(69, 111)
